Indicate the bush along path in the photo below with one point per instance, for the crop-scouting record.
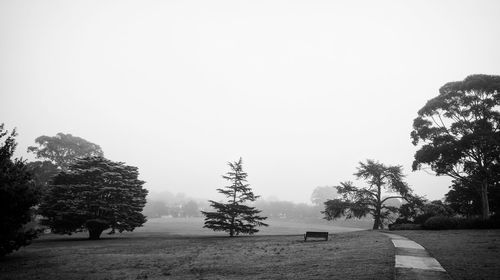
(413, 262)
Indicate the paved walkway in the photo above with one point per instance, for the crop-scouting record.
(413, 261)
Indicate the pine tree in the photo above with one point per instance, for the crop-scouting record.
(18, 195)
(234, 216)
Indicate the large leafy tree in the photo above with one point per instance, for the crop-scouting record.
(234, 216)
(94, 194)
(64, 149)
(460, 134)
(358, 202)
(17, 197)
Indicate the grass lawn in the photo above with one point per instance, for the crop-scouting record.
(465, 254)
(194, 226)
(148, 255)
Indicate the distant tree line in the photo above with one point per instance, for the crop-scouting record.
(185, 207)
(287, 210)
(180, 206)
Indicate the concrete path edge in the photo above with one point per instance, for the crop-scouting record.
(413, 262)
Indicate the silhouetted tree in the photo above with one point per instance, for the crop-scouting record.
(465, 198)
(64, 149)
(234, 216)
(17, 196)
(460, 132)
(357, 202)
(420, 210)
(412, 209)
(94, 194)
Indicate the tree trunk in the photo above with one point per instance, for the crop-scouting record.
(95, 228)
(485, 206)
(95, 233)
(231, 229)
(377, 222)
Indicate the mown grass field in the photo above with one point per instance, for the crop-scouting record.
(156, 253)
(465, 254)
(194, 226)
(356, 255)
(182, 249)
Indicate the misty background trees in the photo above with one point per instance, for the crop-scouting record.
(63, 149)
(178, 205)
(58, 153)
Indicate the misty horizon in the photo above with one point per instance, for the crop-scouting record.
(301, 91)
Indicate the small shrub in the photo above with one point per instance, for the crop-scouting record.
(420, 219)
(405, 226)
(477, 223)
(441, 222)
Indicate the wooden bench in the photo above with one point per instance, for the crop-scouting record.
(316, 234)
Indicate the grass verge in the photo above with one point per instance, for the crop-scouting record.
(465, 254)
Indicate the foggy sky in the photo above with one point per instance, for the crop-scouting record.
(302, 90)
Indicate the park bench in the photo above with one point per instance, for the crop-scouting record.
(316, 234)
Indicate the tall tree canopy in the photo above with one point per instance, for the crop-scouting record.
(234, 216)
(17, 196)
(357, 202)
(94, 194)
(459, 133)
(64, 149)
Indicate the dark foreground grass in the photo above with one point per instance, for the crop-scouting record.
(465, 254)
(352, 255)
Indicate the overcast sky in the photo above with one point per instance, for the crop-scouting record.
(302, 90)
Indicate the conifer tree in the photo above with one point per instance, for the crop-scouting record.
(358, 202)
(94, 194)
(234, 216)
(18, 195)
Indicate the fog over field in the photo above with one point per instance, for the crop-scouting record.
(301, 90)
